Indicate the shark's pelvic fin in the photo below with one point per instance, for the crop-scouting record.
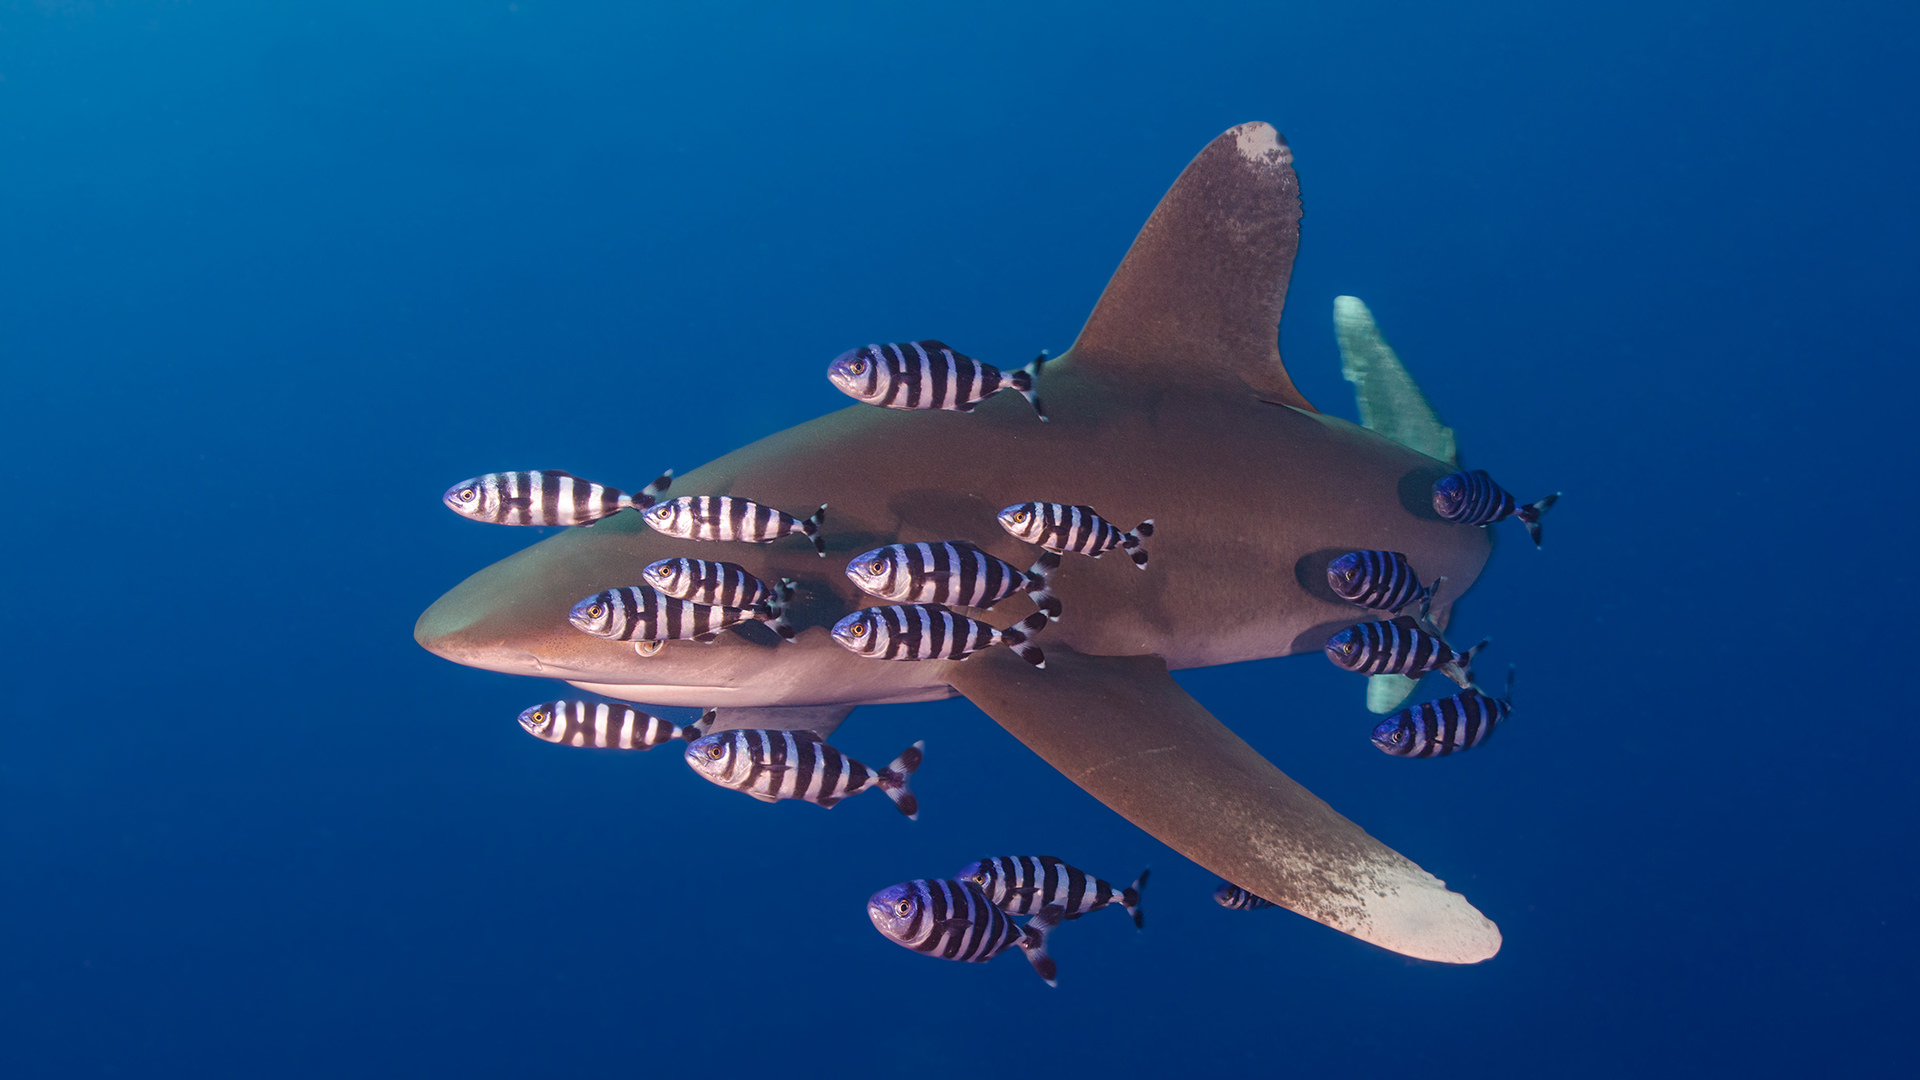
(1199, 295)
(1121, 728)
(1390, 401)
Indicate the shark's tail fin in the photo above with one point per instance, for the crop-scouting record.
(1040, 582)
(1135, 542)
(1529, 515)
(893, 779)
(1017, 637)
(1033, 941)
(1130, 899)
(810, 528)
(1026, 381)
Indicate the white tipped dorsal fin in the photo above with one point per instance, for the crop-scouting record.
(1199, 294)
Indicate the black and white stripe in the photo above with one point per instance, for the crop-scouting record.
(927, 375)
(1021, 884)
(644, 613)
(544, 497)
(953, 572)
(1437, 728)
(1472, 498)
(722, 584)
(955, 920)
(771, 765)
(1381, 580)
(1235, 898)
(933, 632)
(1402, 646)
(1060, 527)
(602, 724)
(725, 517)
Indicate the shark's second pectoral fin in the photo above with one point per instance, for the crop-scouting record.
(1121, 728)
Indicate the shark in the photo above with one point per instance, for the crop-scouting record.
(1173, 403)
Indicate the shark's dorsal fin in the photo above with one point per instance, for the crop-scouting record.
(1199, 294)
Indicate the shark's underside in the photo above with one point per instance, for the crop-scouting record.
(1172, 404)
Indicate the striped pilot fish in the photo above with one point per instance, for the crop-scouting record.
(1059, 527)
(773, 765)
(927, 375)
(644, 613)
(545, 497)
(954, 572)
(1472, 498)
(722, 584)
(1235, 898)
(725, 517)
(599, 723)
(933, 632)
(955, 920)
(1381, 580)
(1023, 884)
(1437, 728)
(1404, 646)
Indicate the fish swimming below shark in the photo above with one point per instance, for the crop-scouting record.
(1176, 377)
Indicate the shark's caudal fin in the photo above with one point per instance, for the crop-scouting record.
(1121, 728)
(1199, 295)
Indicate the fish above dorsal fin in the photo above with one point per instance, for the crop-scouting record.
(1199, 294)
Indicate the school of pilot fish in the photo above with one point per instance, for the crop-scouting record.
(971, 916)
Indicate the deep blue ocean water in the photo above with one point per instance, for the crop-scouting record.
(273, 275)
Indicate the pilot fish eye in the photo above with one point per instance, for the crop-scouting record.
(858, 367)
(859, 630)
(903, 907)
(466, 494)
(714, 752)
(980, 878)
(539, 716)
(876, 566)
(1019, 517)
(594, 610)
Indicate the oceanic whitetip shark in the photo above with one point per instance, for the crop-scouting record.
(1172, 404)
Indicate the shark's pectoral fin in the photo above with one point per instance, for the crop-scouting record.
(819, 719)
(1121, 728)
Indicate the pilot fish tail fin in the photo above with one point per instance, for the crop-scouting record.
(1026, 379)
(651, 493)
(1040, 583)
(893, 779)
(1530, 513)
(1018, 635)
(1135, 542)
(1130, 899)
(1460, 670)
(810, 528)
(1033, 941)
(699, 727)
(773, 611)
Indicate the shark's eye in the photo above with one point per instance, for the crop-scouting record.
(714, 752)
(903, 907)
(875, 567)
(594, 611)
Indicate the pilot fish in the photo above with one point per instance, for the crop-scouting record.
(1235, 898)
(1404, 646)
(722, 584)
(644, 613)
(1059, 527)
(1381, 580)
(954, 572)
(545, 497)
(955, 920)
(773, 765)
(1472, 498)
(1437, 728)
(725, 517)
(1022, 884)
(599, 723)
(933, 632)
(927, 375)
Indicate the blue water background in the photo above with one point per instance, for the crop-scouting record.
(273, 275)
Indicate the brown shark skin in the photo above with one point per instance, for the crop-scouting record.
(1172, 404)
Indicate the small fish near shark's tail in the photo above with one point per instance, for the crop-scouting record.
(1530, 513)
(652, 492)
(1135, 543)
(1018, 636)
(810, 528)
(893, 779)
(1460, 669)
(1033, 941)
(699, 727)
(1130, 899)
(1026, 379)
(1040, 582)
